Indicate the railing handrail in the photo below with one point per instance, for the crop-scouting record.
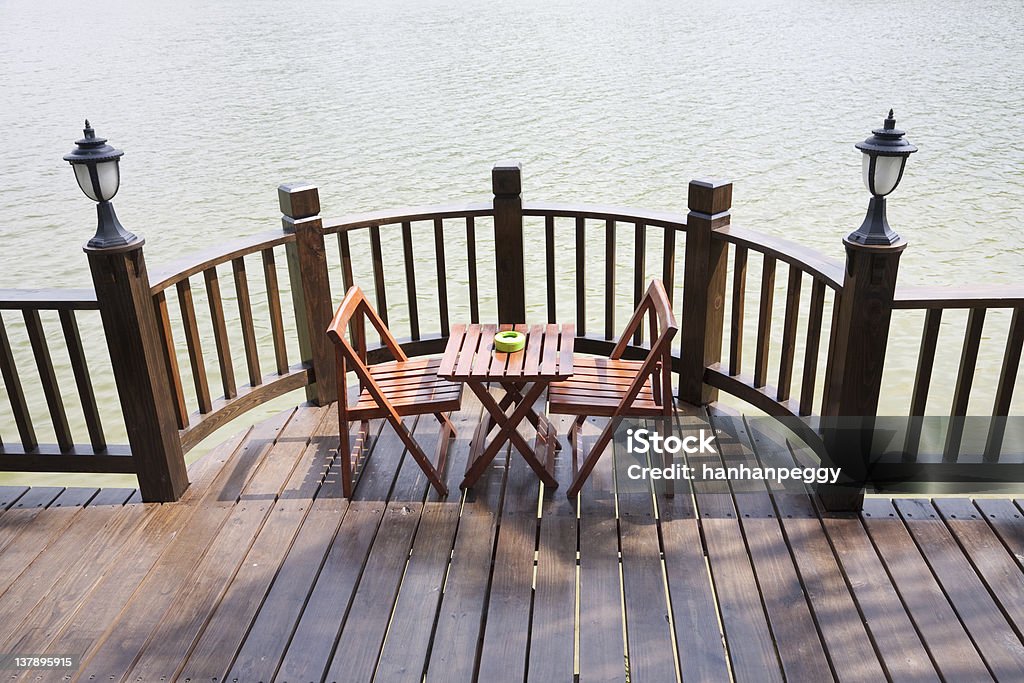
(806, 259)
(48, 299)
(406, 215)
(215, 256)
(974, 296)
(662, 219)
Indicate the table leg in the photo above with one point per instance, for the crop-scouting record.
(514, 390)
(507, 432)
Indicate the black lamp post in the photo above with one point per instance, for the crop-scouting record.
(97, 172)
(885, 157)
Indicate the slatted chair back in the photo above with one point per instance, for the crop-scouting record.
(662, 329)
(348, 333)
(585, 396)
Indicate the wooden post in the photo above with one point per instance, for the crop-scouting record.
(140, 373)
(704, 279)
(506, 180)
(310, 285)
(860, 333)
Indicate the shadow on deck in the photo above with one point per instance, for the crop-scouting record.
(264, 572)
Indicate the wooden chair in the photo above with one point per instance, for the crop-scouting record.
(616, 388)
(391, 390)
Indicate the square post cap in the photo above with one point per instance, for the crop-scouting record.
(506, 178)
(299, 200)
(709, 195)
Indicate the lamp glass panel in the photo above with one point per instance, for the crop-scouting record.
(887, 174)
(110, 178)
(84, 181)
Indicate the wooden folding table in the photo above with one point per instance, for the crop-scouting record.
(470, 357)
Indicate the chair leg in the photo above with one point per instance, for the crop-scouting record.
(591, 460)
(421, 458)
(444, 442)
(345, 453)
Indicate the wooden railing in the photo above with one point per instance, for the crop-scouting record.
(54, 441)
(197, 412)
(982, 305)
(224, 332)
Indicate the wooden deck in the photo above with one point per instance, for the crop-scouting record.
(264, 572)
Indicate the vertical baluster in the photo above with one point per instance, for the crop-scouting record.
(195, 350)
(252, 359)
(789, 333)
(410, 281)
(549, 253)
(48, 379)
(581, 276)
(609, 280)
(922, 381)
(442, 277)
(220, 333)
(814, 319)
(739, 299)
(163, 321)
(764, 321)
(276, 317)
(80, 368)
(668, 264)
(964, 381)
(348, 280)
(639, 273)
(1007, 380)
(15, 393)
(377, 257)
(474, 292)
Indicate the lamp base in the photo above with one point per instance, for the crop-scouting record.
(875, 230)
(110, 234)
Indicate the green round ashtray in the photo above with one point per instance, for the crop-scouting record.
(509, 341)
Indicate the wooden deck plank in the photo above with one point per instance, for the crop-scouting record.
(903, 653)
(798, 642)
(1005, 519)
(649, 636)
(552, 637)
(33, 538)
(698, 633)
(748, 637)
(987, 554)
(993, 635)
(506, 636)
(265, 643)
(406, 649)
(64, 573)
(177, 633)
(951, 648)
(851, 651)
(601, 638)
(222, 635)
(126, 569)
(453, 654)
(116, 651)
(362, 637)
(312, 646)
(21, 513)
(9, 495)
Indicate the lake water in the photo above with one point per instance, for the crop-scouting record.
(395, 103)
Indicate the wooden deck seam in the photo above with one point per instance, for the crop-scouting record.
(325, 553)
(306, 454)
(207, 502)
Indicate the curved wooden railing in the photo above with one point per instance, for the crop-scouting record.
(238, 397)
(228, 340)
